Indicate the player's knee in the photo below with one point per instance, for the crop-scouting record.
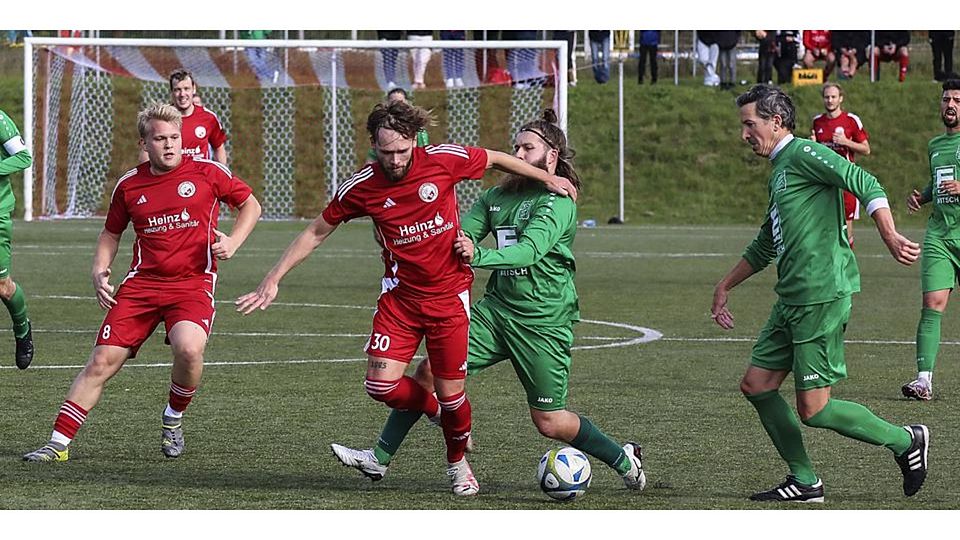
(548, 425)
(7, 288)
(101, 366)
(189, 354)
(749, 387)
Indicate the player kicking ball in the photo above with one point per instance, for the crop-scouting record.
(528, 310)
(173, 204)
(409, 194)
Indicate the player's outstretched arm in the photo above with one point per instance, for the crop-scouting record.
(103, 255)
(296, 252)
(247, 217)
(507, 163)
(718, 311)
(904, 250)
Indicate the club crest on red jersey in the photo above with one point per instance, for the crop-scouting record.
(186, 189)
(428, 192)
(200, 132)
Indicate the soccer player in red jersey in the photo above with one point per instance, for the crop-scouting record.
(202, 130)
(409, 194)
(844, 133)
(818, 46)
(173, 204)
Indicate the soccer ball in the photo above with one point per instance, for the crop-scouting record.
(564, 474)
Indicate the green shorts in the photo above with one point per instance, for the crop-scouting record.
(540, 354)
(939, 264)
(807, 340)
(6, 247)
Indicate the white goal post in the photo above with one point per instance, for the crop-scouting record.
(294, 110)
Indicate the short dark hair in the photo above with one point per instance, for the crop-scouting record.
(771, 101)
(400, 116)
(397, 90)
(951, 84)
(180, 75)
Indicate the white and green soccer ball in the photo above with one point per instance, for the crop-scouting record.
(564, 474)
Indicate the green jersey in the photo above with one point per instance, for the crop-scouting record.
(804, 229)
(943, 153)
(14, 157)
(533, 263)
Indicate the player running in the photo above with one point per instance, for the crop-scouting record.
(817, 275)
(409, 194)
(528, 310)
(14, 157)
(173, 204)
(940, 262)
(202, 135)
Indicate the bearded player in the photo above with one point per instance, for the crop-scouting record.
(173, 204)
(409, 194)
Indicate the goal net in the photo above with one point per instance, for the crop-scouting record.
(295, 111)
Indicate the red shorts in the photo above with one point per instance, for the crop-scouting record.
(142, 304)
(851, 206)
(399, 325)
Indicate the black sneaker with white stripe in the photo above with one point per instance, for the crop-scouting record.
(913, 462)
(792, 491)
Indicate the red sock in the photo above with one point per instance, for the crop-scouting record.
(69, 420)
(904, 62)
(180, 396)
(404, 394)
(455, 420)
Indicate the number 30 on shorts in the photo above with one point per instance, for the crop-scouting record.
(379, 342)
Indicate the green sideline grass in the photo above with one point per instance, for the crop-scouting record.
(684, 162)
(257, 434)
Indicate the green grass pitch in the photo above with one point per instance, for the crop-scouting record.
(281, 385)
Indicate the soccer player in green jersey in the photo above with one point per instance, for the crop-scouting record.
(940, 262)
(816, 276)
(14, 157)
(528, 309)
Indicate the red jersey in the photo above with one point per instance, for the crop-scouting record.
(824, 127)
(817, 39)
(201, 131)
(174, 215)
(416, 218)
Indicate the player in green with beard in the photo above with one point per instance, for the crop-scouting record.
(816, 276)
(528, 309)
(940, 262)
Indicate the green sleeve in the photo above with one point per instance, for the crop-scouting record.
(19, 158)
(832, 169)
(761, 251)
(371, 155)
(475, 224)
(423, 138)
(544, 229)
(927, 194)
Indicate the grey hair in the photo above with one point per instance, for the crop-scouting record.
(770, 101)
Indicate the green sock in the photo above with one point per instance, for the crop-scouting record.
(394, 432)
(17, 306)
(783, 427)
(858, 422)
(928, 339)
(594, 442)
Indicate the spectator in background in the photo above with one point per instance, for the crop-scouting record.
(787, 48)
(521, 63)
(851, 50)
(421, 57)
(600, 54)
(767, 52)
(941, 41)
(570, 36)
(453, 59)
(707, 53)
(727, 43)
(818, 46)
(389, 57)
(649, 42)
(891, 46)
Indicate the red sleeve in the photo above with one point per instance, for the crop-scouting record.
(117, 216)
(860, 133)
(343, 210)
(217, 135)
(463, 162)
(228, 187)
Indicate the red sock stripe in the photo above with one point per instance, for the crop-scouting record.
(180, 396)
(380, 388)
(452, 403)
(70, 418)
